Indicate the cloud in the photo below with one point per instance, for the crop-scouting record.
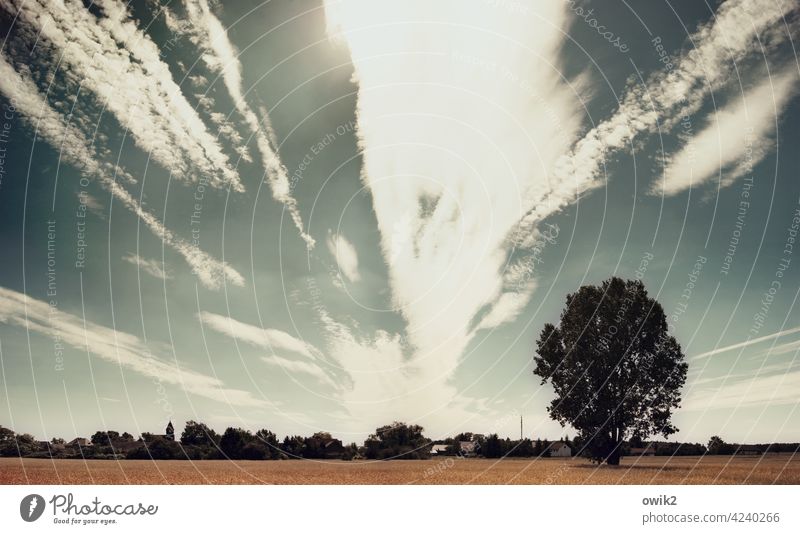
(276, 341)
(222, 57)
(471, 139)
(734, 139)
(753, 389)
(113, 346)
(303, 367)
(152, 267)
(507, 307)
(346, 256)
(667, 95)
(461, 121)
(784, 348)
(747, 343)
(267, 338)
(121, 65)
(75, 150)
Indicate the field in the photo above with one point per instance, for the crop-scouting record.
(769, 469)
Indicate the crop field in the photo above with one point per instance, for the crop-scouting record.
(768, 469)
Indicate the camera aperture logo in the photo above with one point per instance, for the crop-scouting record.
(67, 511)
(31, 507)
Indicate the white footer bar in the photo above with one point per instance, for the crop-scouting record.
(387, 509)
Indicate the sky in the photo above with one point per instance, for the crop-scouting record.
(330, 215)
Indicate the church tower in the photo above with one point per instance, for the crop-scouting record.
(170, 432)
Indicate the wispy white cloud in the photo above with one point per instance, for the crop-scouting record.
(783, 348)
(667, 96)
(747, 343)
(75, 149)
(279, 343)
(302, 367)
(507, 307)
(383, 382)
(462, 120)
(734, 138)
(221, 57)
(346, 256)
(267, 338)
(121, 65)
(753, 389)
(113, 346)
(152, 267)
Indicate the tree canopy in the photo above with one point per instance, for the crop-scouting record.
(616, 371)
(398, 441)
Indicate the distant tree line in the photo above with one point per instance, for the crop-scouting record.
(395, 441)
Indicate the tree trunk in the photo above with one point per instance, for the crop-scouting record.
(616, 441)
(613, 457)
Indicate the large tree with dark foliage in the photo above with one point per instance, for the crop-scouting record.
(199, 435)
(398, 441)
(616, 371)
(233, 443)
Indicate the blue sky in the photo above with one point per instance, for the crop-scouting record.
(330, 215)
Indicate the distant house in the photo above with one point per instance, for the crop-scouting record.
(559, 449)
(467, 448)
(79, 442)
(648, 450)
(439, 448)
(333, 448)
(748, 450)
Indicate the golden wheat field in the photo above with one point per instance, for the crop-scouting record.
(769, 469)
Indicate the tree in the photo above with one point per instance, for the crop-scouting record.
(636, 441)
(8, 442)
(521, 448)
(350, 452)
(156, 448)
(717, 446)
(105, 438)
(233, 442)
(293, 446)
(313, 447)
(27, 444)
(398, 441)
(578, 448)
(254, 451)
(270, 442)
(545, 452)
(199, 435)
(494, 447)
(614, 367)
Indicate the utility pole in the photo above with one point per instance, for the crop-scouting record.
(520, 428)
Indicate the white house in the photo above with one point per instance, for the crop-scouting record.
(559, 449)
(439, 448)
